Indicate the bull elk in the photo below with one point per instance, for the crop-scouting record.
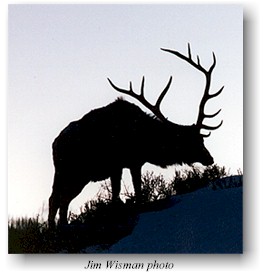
(120, 135)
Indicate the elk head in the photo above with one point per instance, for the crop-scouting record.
(193, 132)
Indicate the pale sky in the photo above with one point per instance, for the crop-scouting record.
(59, 58)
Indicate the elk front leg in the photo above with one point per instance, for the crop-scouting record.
(136, 179)
(116, 184)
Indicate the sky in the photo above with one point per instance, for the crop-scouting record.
(59, 58)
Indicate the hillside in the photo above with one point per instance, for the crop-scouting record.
(204, 221)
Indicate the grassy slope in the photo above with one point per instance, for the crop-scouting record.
(104, 223)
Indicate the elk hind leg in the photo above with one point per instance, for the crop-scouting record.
(63, 209)
(54, 202)
(66, 196)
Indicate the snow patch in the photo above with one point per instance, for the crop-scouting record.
(205, 221)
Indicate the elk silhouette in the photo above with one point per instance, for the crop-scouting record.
(121, 135)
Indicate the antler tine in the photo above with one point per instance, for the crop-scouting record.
(217, 93)
(212, 115)
(211, 127)
(142, 87)
(206, 136)
(189, 51)
(140, 97)
(214, 62)
(160, 98)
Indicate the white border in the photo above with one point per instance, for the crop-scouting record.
(253, 259)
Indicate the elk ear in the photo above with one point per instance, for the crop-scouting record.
(194, 127)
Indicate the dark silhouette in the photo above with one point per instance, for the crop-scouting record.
(121, 135)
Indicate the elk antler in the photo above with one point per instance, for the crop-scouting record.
(206, 95)
(140, 97)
